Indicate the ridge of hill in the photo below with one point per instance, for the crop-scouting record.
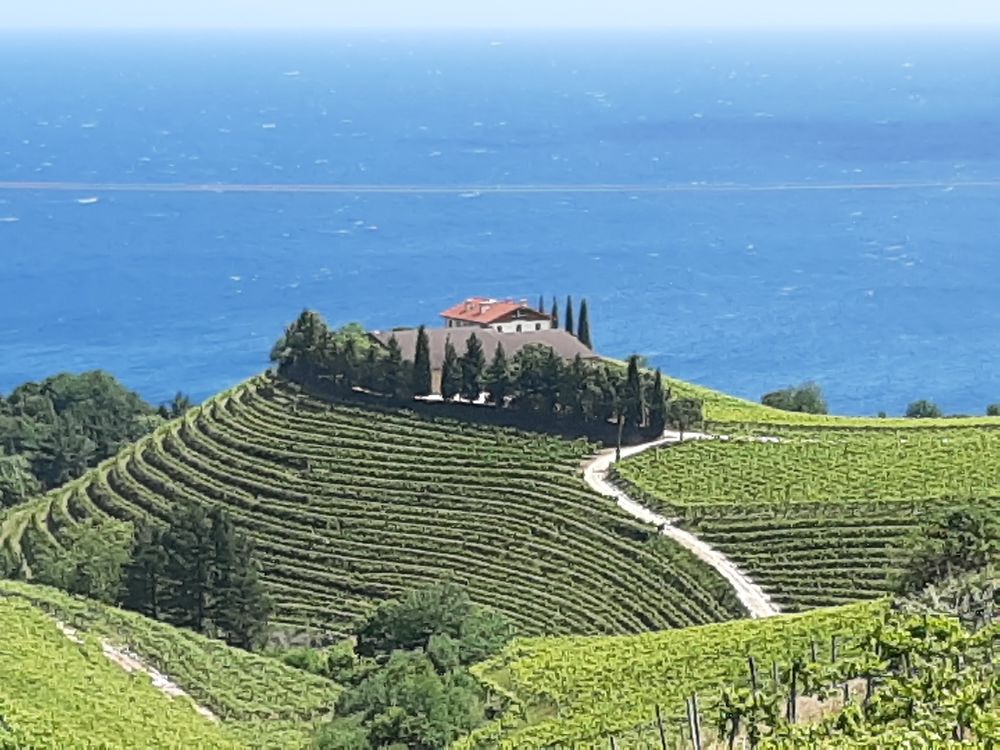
(349, 505)
(64, 689)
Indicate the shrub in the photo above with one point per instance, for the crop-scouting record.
(806, 398)
(923, 409)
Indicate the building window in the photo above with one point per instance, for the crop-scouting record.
(500, 329)
(538, 326)
(518, 327)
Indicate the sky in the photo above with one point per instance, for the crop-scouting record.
(495, 14)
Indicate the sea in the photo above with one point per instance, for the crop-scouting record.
(748, 210)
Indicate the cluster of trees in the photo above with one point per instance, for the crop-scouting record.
(197, 571)
(53, 431)
(949, 546)
(808, 398)
(405, 672)
(582, 328)
(535, 380)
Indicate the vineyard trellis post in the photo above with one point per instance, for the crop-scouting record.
(694, 720)
(659, 726)
(792, 692)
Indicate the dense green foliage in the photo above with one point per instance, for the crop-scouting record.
(575, 692)
(807, 398)
(821, 516)
(923, 409)
(90, 561)
(260, 701)
(416, 691)
(959, 541)
(349, 506)
(54, 430)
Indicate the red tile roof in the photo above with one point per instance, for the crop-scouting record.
(483, 311)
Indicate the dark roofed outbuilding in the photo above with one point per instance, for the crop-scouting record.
(565, 344)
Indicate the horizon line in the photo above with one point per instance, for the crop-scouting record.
(991, 25)
(476, 190)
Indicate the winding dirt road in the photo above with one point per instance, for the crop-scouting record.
(595, 473)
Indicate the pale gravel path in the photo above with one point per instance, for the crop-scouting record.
(130, 662)
(595, 473)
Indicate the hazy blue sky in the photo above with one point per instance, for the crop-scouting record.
(492, 13)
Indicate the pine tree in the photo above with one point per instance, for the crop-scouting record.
(541, 304)
(392, 369)
(569, 314)
(583, 326)
(472, 364)
(190, 551)
(422, 364)
(498, 377)
(451, 372)
(146, 572)
(657, 405)
(555, 313)
(633, 402)
(239, 606)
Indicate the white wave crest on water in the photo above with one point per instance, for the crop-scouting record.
(9, 219)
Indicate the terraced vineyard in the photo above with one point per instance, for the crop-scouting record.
(57, 693)
(350, 505)
(576, 692)
(818, 517)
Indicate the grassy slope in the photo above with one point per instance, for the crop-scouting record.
(351, 505)
(576, 691)
(56, 693)
(261, 702)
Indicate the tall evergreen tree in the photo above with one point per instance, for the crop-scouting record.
(190, 565)
(392, 369)
(569, 315)
(371, 370)
(657, 405)
(451, 372)
(472, 364)
(541, 304)
(422, 364)
(239, 606)
(498, 378)
(633, 402)
(583, 326)
(555, 313)
(146, 572)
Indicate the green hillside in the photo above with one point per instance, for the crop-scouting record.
(55, 692)
(576, 692)
(818, 516)
(348, 506)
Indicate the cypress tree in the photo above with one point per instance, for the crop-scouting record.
(371, 375)
(451, 372)
(657, 405)
(555, 313)
(422, 364)
(190, 564)
(569, 314)
(498, 379)
(472, 364)
(146, 572)
(583, 326)
(541, 304)
(634, 408)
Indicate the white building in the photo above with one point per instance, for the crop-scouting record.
(503, 316)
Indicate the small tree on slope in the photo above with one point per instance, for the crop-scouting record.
(583, 326)
(472, 364)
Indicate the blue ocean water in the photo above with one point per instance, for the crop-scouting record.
(857, 245)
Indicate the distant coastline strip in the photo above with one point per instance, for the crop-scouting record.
(473, 190)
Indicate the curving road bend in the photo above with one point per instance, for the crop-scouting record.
(595, 473)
